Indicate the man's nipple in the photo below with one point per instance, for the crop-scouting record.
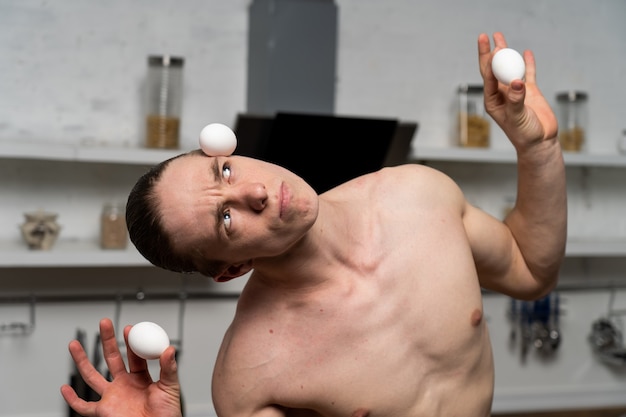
(477, 317)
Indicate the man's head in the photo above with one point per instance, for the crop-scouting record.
(144, 222)
(217, 215)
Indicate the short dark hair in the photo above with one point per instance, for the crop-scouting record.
(145, 226)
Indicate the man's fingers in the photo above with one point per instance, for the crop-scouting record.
(484, 53)
(516, 95)
(484, 60)
(90, 375)
(110, 349)
(79, 405)
(529, 60)
(169, 367)
(499, 41)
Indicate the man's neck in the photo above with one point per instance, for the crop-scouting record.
(309, 262)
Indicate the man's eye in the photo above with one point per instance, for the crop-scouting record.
(226, 171)
(227, 219)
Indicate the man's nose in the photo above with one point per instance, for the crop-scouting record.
(252, 195)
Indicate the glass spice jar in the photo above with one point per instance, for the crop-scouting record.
(473, 124)
(572, 107)
(164, 95)
(113, 233)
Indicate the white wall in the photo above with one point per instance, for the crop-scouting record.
(406, 58)
(72, 71)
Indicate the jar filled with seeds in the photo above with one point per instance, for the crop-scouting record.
(473, 123)
(572, 108)
(164, 96)
(113, 233)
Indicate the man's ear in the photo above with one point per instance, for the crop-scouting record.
(234, 271)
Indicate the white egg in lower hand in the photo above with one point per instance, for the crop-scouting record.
(217, 139)
(148, 340)
(508, 65)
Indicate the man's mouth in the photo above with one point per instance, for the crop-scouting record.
(284, 200)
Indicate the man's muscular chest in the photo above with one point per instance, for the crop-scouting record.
(340, 351)
(349, 347)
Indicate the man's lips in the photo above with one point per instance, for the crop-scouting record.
(284, 199)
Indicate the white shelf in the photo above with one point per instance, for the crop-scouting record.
(596, 247)
(84, 153)
(426, 153)
(75, 253)
(486, 155)
(68, 253)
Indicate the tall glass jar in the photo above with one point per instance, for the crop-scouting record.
(164, 95)
(572, 107)
(113, 233)
(473, 124)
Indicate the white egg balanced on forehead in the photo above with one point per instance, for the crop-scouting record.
(508, 65)
(217, 139)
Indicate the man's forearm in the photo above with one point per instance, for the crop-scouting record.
(539, 220)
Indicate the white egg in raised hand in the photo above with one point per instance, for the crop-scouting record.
(508, 65)
(217, 139)
(148, 340)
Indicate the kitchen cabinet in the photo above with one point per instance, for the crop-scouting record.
(86, 168)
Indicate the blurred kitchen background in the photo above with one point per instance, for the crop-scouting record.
(72, 142)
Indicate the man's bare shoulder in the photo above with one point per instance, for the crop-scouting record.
(403, 180)
(409, 174)
(412, 172)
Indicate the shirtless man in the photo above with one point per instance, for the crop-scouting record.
(364, 300)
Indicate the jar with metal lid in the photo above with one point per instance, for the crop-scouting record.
(113, 233)
(572, 107)
(164, 101)
(473, 123)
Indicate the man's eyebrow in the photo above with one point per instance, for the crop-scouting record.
(215, 168)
